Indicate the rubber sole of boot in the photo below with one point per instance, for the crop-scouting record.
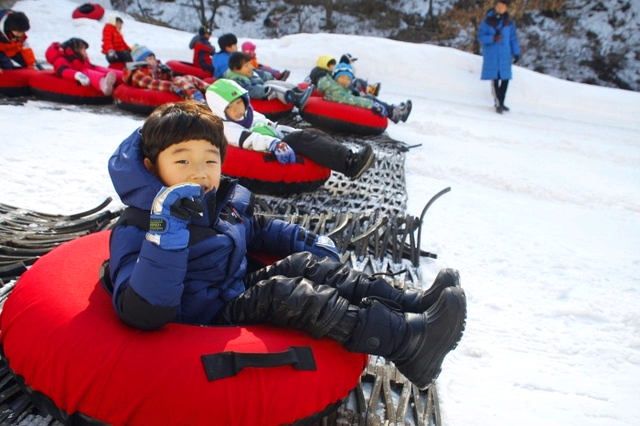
(426, 363)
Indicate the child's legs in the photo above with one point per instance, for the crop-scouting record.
(94, 77)
(280, 85)
(319, 147)
(350, 284)
(287, 302)
(186, 85)
(274, 72)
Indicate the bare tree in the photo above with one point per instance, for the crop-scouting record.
(201, 7)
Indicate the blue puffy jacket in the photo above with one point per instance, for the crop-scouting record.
(153, 286)
(497, 55)
(220, 63)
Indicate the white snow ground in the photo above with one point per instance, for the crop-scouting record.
(543, 219)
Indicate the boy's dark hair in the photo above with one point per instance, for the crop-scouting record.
(331, 62)
(227, 40)
(182, 121)
(119, 20)
(17, 21)
(237, 60)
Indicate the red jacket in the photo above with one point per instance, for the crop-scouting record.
(11, 48)
(66, 62)
(112, 39)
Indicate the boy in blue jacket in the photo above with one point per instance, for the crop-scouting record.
(178, 253)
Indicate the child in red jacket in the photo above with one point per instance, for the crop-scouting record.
(70, 61)
(113, 45)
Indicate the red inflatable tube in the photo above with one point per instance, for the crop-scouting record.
(141, 101)
(63, 342)
(342, 118)
(88, 10)
(187, 68)
(262, 174)
(48, 86)
(15, 82)
(273, 109)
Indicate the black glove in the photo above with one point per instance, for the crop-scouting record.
(516, 58)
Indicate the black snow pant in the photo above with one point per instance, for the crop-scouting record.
(499, 89)
(319, 147)
(304, 292)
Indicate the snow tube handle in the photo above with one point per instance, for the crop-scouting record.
(228, 364)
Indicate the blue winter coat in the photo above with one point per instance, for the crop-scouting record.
(497, 56)
(220, 63)
(196, 282)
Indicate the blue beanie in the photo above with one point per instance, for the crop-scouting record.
(140, 53)
(343, 69)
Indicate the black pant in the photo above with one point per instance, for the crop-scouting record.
(121, 56)
(319, 147)
(499, 91)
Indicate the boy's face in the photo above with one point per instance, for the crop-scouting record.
(251, 53)
(82, 51)
(232, 48)
(501, 8)
(193, 161)
(246, 69)
(344, 80)
(236, 109)
(151, 60)
(119, 25)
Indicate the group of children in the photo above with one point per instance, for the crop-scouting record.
(180, 254)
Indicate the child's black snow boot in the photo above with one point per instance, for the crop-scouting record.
(416, 343)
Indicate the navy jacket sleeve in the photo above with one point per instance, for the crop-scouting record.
(147, 280)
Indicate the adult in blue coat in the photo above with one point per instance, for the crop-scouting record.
(500, 48)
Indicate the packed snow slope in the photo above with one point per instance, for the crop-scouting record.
(543, 219)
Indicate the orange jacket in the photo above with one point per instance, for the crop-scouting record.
(12, 48)
(112, 39)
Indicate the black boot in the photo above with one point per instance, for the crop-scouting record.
(415, 343)
(299, 97)
(420, 301)
(358, 162)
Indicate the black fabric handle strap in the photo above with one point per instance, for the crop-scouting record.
(228, 364)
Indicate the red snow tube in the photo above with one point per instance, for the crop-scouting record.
(342, 118)
(78, 362)
(141, 101)
(88, 10)
(187, 68)
(48, 86)
(15, 82)
(273, 109)
(263, 174)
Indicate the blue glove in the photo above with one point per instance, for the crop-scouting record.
(379, 109)
(320, 245)
(283, 152)
(170, 212)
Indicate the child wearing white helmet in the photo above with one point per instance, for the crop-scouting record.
(248, 129)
